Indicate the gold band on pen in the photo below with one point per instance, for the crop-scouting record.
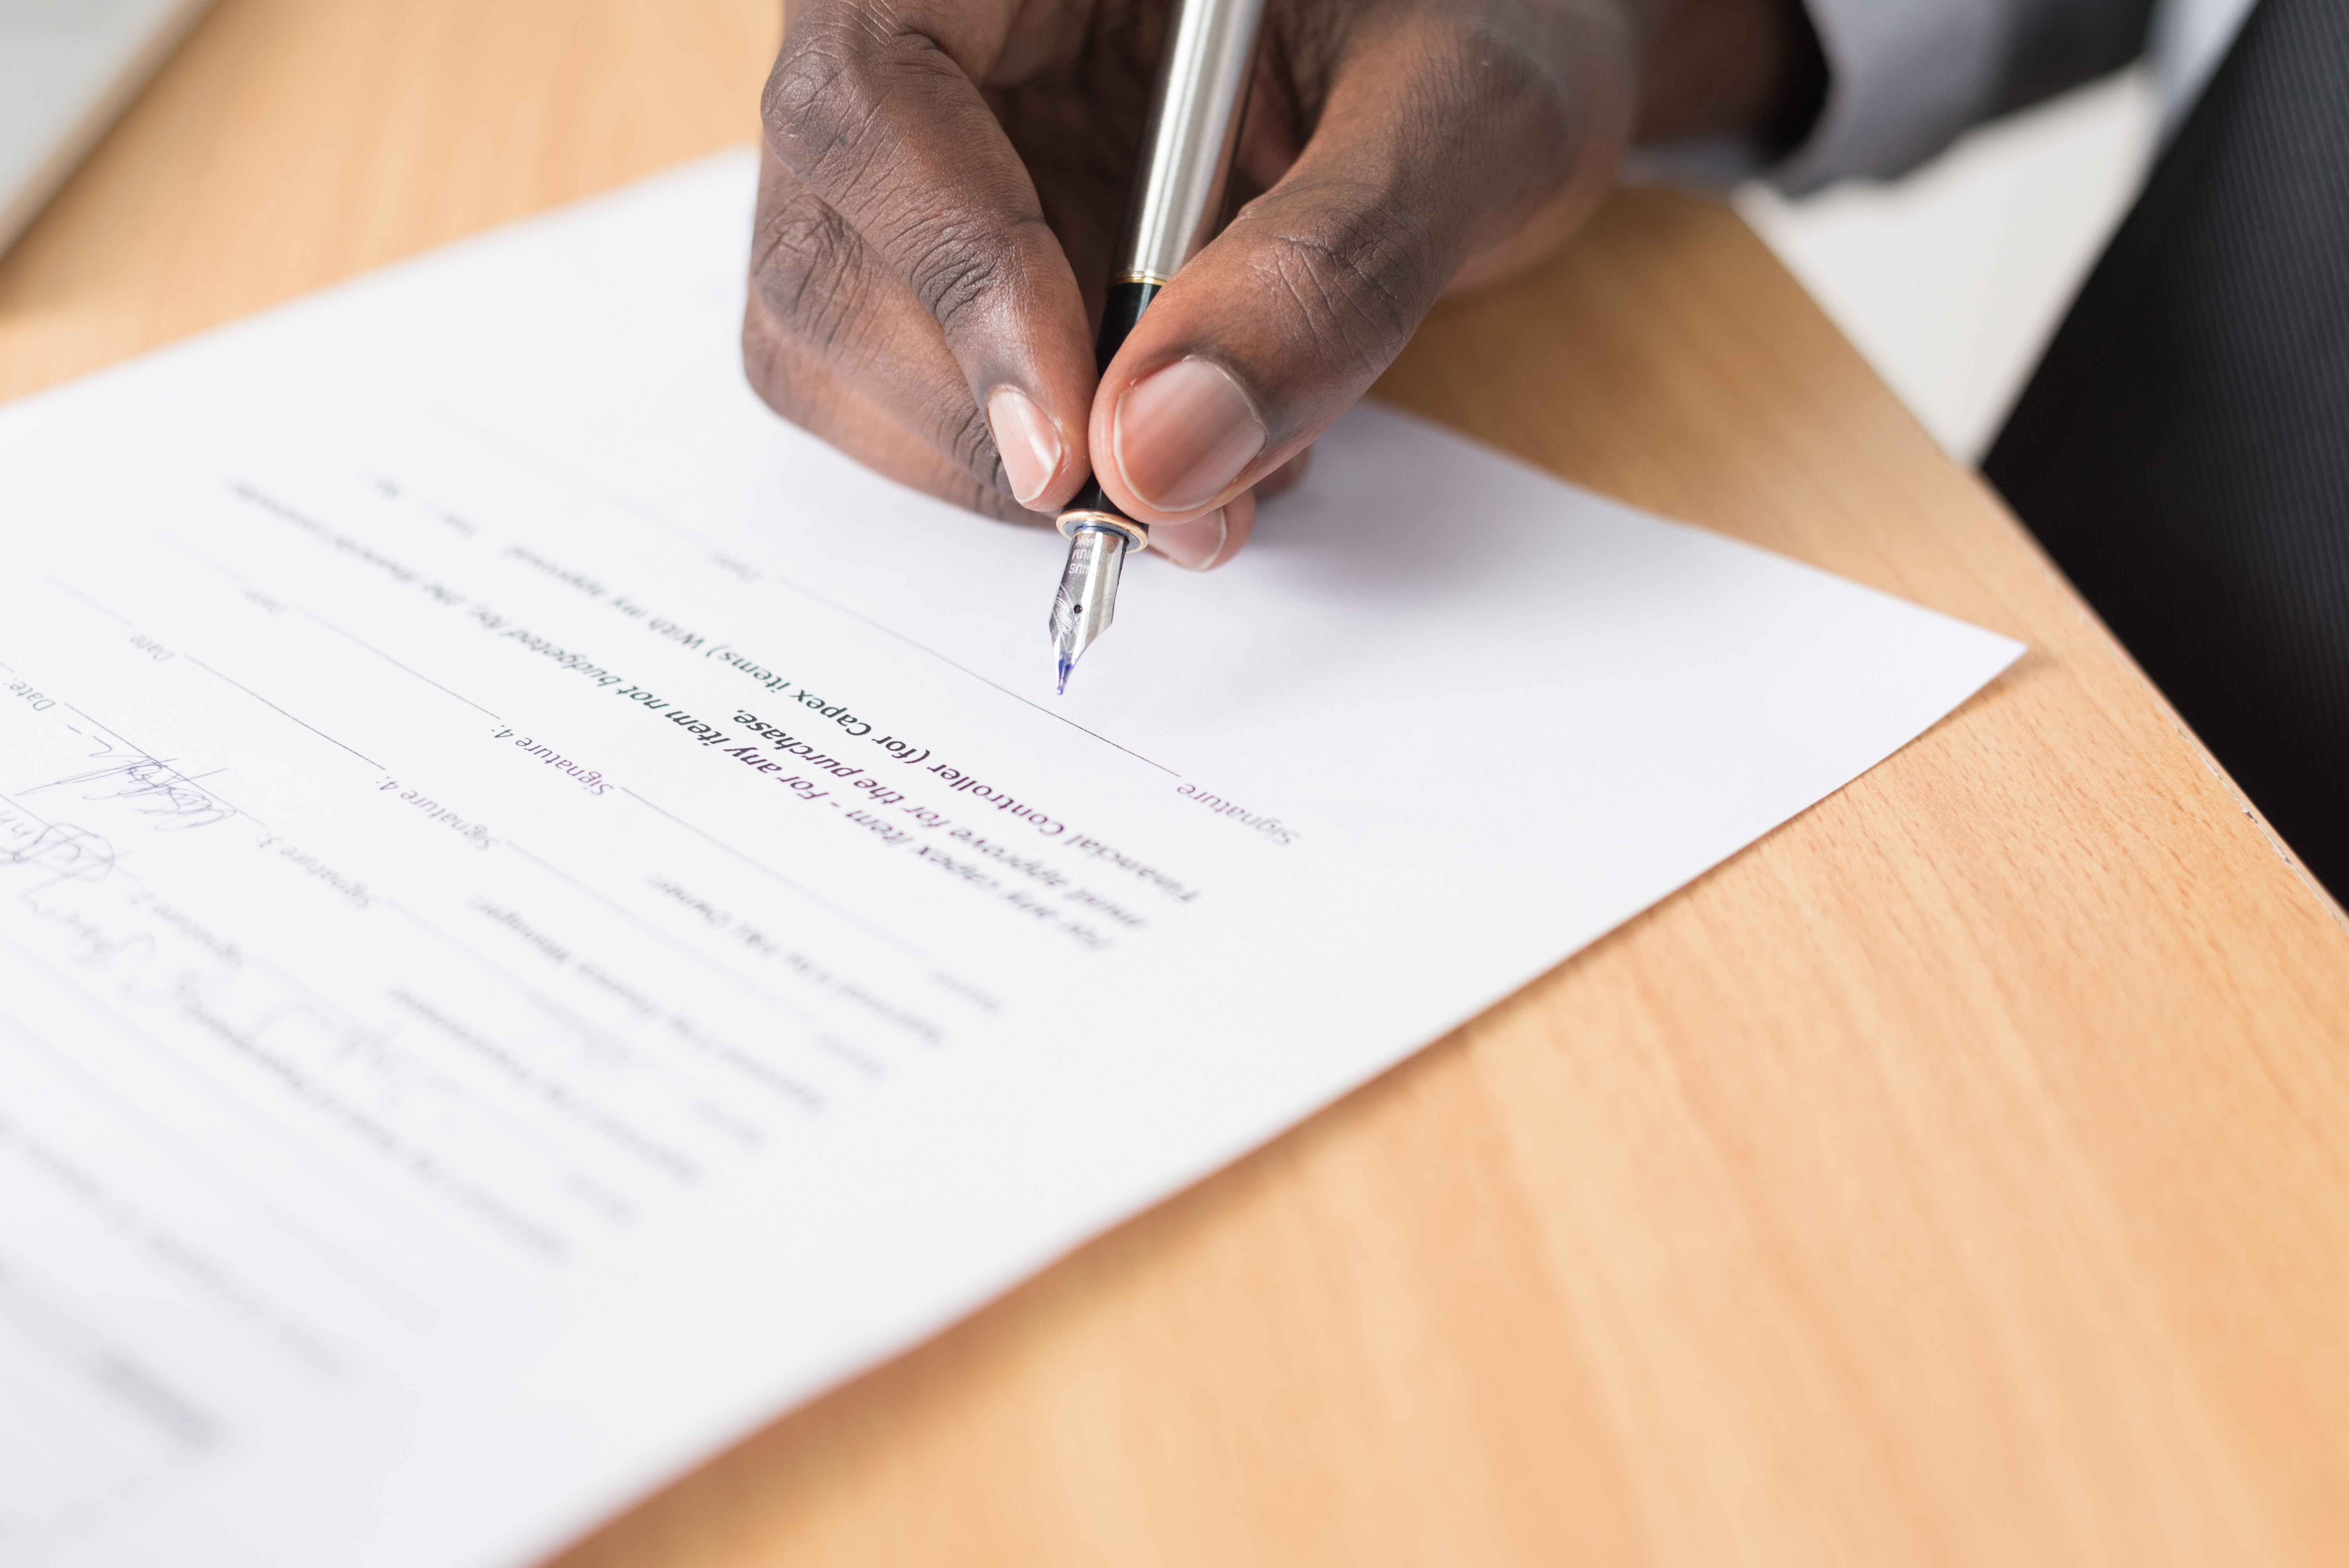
(1135, 534)
(1151, 278)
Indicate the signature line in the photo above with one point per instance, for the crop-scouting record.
(394, 664)
(623, 503)
(274, 708)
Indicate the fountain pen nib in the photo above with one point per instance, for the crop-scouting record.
(1087, 601)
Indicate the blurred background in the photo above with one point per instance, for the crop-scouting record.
(1951, 280)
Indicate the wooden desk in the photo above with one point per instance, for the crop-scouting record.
(1959, 1176)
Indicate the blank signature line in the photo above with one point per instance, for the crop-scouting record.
(274, 708)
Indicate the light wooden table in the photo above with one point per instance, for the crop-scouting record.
(1959, 1176)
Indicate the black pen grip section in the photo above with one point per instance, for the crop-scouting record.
(1126, 302)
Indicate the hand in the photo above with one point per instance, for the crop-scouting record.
(943, 182)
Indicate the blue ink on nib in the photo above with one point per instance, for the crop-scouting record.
(1067, 664)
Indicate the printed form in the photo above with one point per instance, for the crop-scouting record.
(546, 916)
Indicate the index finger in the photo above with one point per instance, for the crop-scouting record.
(877, 110)
(1446, 127)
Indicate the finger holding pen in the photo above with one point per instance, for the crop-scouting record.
(1440, 137)
(942, 175)
(900, 232)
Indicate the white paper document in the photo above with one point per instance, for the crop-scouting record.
(546, 916)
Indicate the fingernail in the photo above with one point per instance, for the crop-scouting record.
(1193, 545)
(1030, 447)
(1183, 434)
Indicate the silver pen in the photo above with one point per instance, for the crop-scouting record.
(1176, 205)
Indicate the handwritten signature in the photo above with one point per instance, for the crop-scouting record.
(153, 788)
(69, 853)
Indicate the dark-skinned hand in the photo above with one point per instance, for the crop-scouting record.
(944, 180)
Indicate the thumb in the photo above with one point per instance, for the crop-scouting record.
(1442, 137)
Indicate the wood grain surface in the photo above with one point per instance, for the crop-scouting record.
(1959, 1176)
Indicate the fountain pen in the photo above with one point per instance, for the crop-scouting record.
(1175, 207)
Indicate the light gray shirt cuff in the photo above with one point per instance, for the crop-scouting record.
(1904, 78)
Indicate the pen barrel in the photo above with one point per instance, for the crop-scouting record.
(1127, 301)
(1177, 200)
(1128, 298)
